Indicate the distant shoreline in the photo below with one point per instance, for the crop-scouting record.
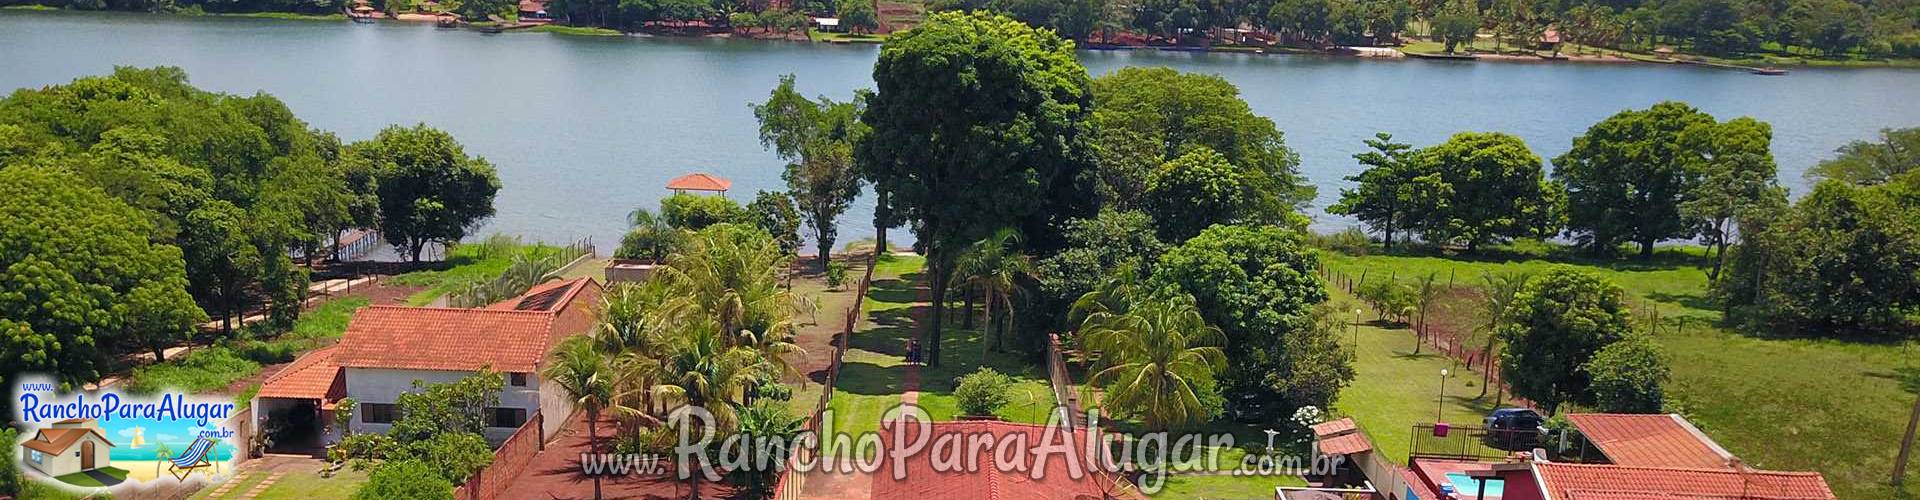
(1611, 56)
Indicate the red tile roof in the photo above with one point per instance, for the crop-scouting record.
(1619, 482)
(1651, 440)
(1345, 444)
(1334, 427)
(545, 296)
(440, 338)
(699, 182)
(923, 481)
(314, 375)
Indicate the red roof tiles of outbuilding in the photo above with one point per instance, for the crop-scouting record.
(1659, 440)
(699, 182)
(313, 375)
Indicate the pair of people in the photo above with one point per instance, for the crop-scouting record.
(913, 350)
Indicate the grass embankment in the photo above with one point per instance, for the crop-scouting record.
(29, 7)
(296, 485)
(465, 265)
(872, 373)
(292, 16)
(575, 30)
(1393, 388)
(1778, 403)
(215, 367)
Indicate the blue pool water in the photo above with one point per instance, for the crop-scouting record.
(1467, 487)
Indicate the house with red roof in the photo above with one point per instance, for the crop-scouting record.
(387, 351)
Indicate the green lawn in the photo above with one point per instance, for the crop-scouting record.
(212, 368)
(1393, 389)
(296, 485)
(575, 30)
(1779, 403)
(870, 380)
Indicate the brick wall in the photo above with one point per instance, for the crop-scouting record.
(508, 462)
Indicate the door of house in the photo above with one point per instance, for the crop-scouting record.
(86, 455)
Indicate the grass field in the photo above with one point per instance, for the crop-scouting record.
(575, 30)
(870, 380)
(1393, 388)
(213, 368)
(1778, 403)
(1223, 487)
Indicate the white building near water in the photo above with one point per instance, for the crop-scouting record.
(386, 350)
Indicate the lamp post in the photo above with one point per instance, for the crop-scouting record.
(1355, 329)
(1442, 407)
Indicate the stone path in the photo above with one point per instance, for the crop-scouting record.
(263, 485)
(230, 484)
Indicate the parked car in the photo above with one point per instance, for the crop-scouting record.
(1514, 429)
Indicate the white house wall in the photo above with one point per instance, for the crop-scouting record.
(378, 385)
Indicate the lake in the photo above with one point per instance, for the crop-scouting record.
(584, 129)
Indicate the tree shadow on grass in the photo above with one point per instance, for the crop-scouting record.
(1687, 300)
(870, 379)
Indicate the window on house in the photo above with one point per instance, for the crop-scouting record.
(517, 379)
(376, 413)
(36, 456)
(507, 417)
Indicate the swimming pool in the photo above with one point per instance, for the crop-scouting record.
(1467, 487)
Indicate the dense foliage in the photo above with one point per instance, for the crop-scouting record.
(1148, 117)
(1557, 323)
(1628, 376)
(1257, 285)
(405, 479)
(773, 212)
(1843, 261)
(430, 190)
(982, 392)
(1866, 163)
(694, 212)
(963, 157)
(1474, 189)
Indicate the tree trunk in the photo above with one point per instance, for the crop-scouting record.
(1906, 445)
(1719, 261)
(1646, 249)
(935, 256)
(826, 253)
(966, 321)
(1486, 367)
(1389, 231)
(593, 442)
(159, 352)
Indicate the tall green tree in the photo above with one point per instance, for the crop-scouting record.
(1457, 23)
(225, 260)
(1389, 196)
(1556, 324)
(1844, 261)
(1627, 175)
(816, 137)
(430, 190)
(81, 275)
(1486, 187)
(965, 156)
(1629, 376)
(1737, 178)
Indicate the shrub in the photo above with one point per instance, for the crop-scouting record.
(1556, 324)
(1352, 241)
(982, 392)
(836, 275)
(404, 479)
(1627, 376)
(694, 212)
(266, 353)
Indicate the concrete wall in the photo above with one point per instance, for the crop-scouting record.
(376, 385)
(69, 462)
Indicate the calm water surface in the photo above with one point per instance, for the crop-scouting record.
(586, 128)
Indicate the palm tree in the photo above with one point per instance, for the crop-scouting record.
(732, 275)
(577, 366)
(996, 266)
(1499, 290)
(1154, 359)
(702, 371)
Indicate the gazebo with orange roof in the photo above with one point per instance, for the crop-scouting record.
(699, 182)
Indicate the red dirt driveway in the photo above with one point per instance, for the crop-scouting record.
(555, 473)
